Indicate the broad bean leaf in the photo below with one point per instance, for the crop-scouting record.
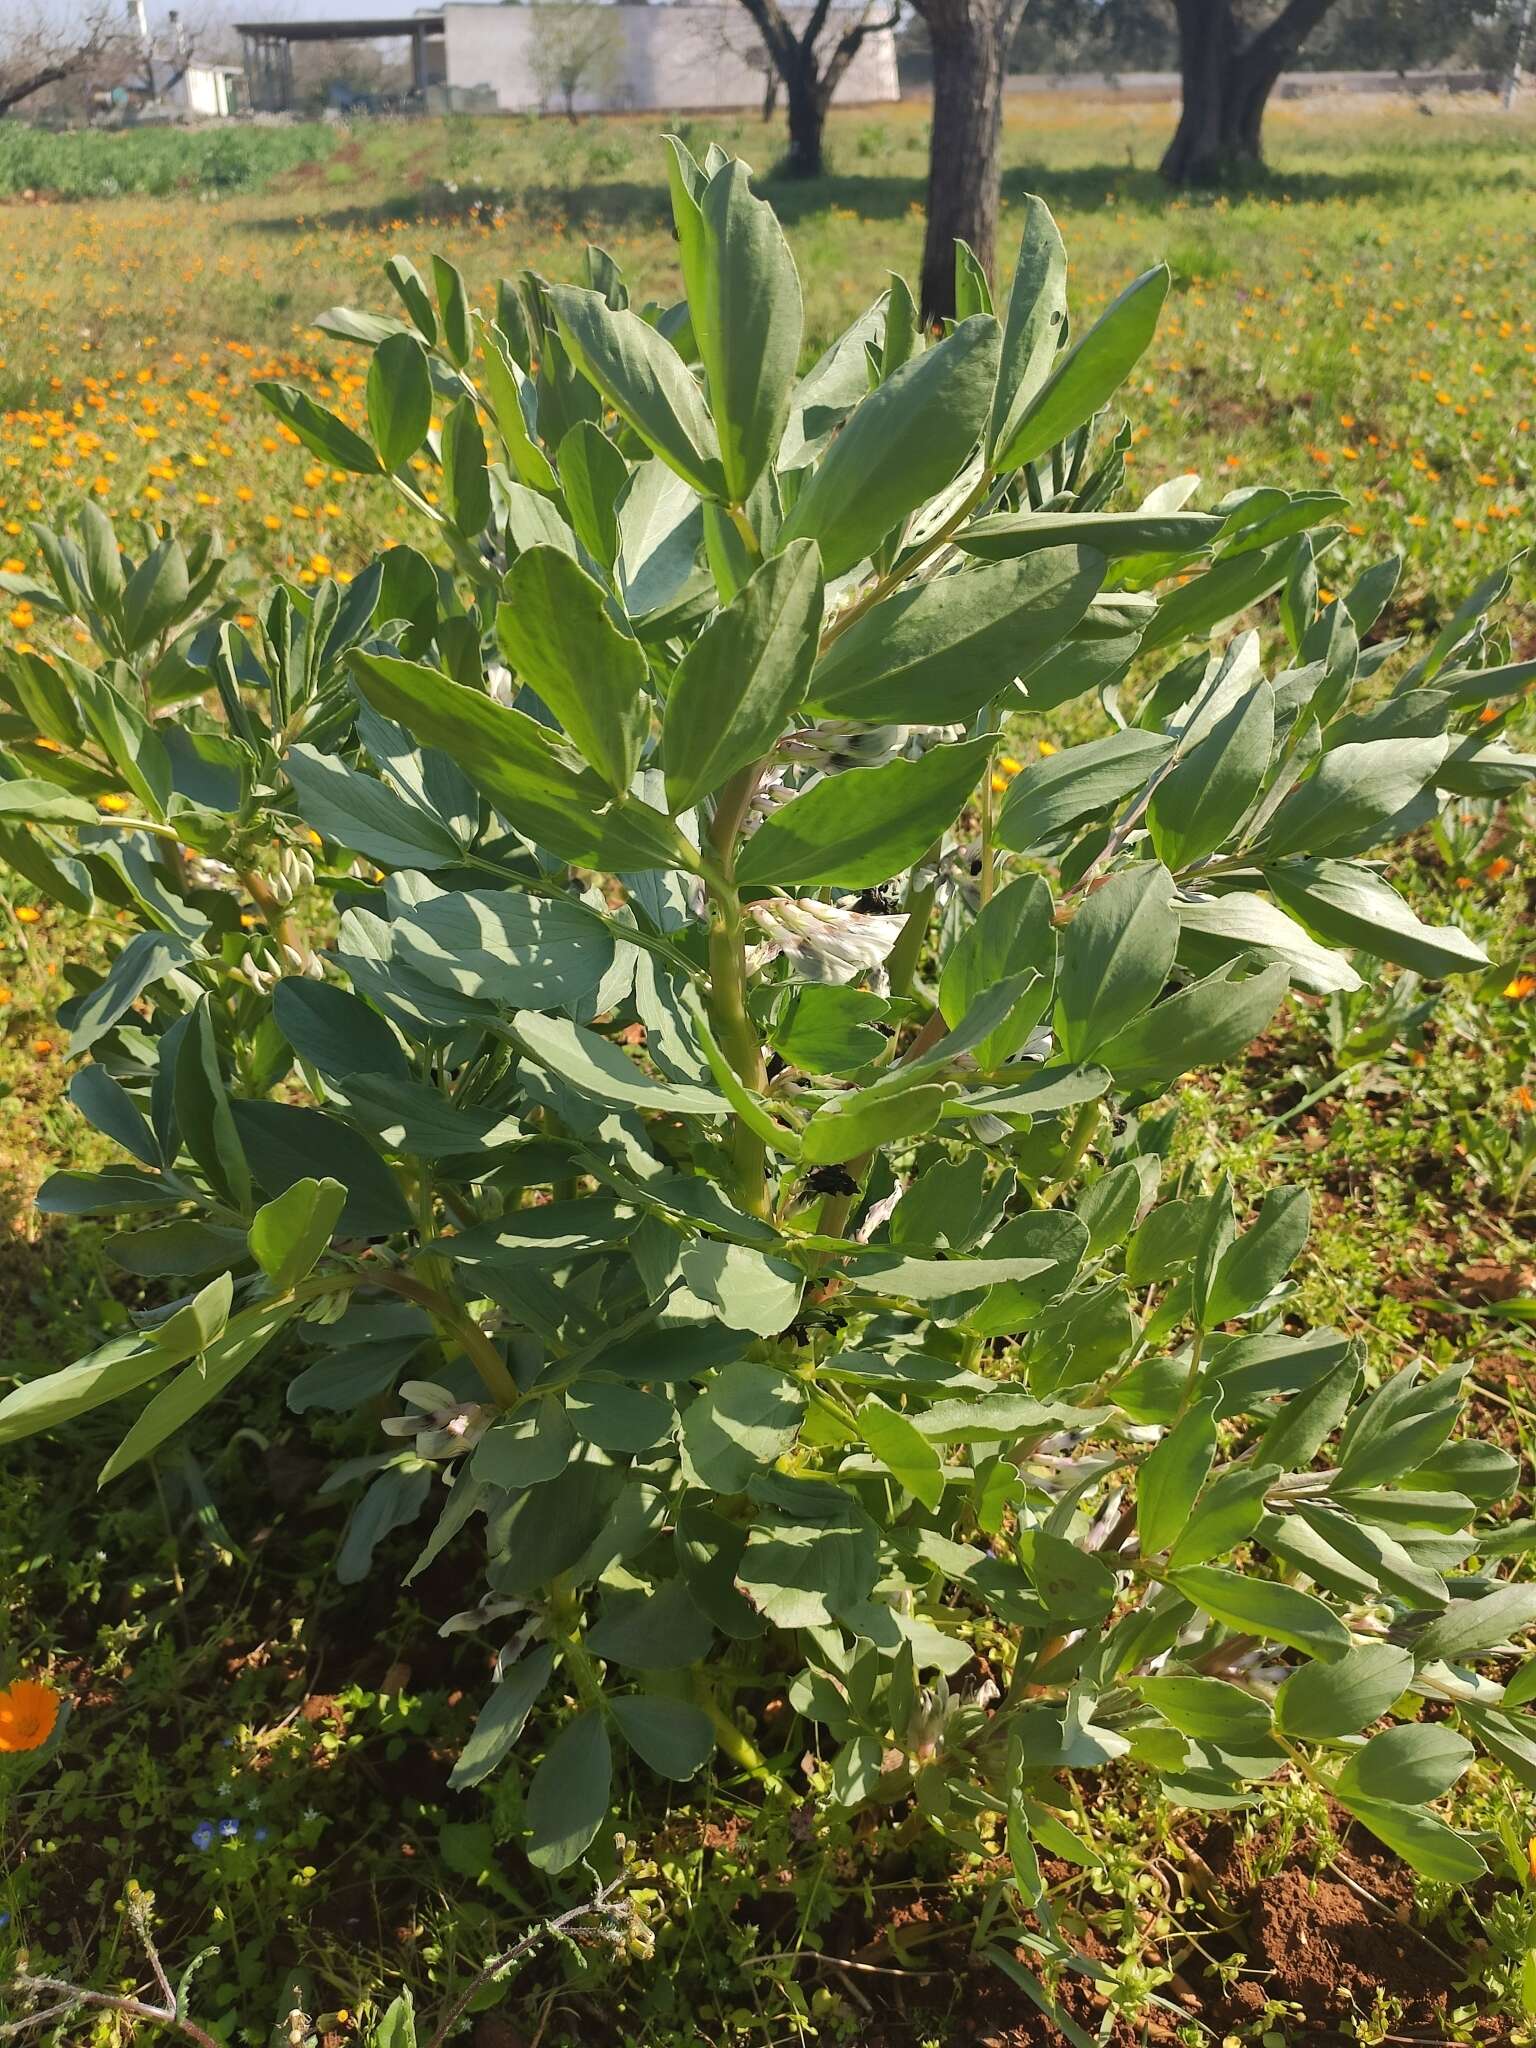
(286, 1142)
(935, 652)
(859, 828)
(197, 1385)
(907, 440)
(502, 1719)
(1199, 802)
(568, 1798)
(1265, 1608)
(119, 1367)
(1319, 1701)
(289, 1234)
(1055, 793)
(399, 394)
(673, 1736)
(744, 304)
(1349, 905)
(1087, 376)
(735, 688)
(555, 629)
(1115, 958)
(645, 380)
(1035, 324)
(520, 766)
(1351, 796)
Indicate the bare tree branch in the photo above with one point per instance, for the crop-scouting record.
(35, 54)
(811, 66)
(601, 1915)
(73, 1996)
(1284, 36)
(850, 43)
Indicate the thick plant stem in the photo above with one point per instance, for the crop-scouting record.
(1079, 1137)
(465, 1332)
(729, 1739)
(728, 986)
(565, 1619)
(901, 962)
(739, 1042)
(743, 525)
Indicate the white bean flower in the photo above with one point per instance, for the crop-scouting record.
(443, 1425)
(824, 941)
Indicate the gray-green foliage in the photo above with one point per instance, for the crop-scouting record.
(769, 1274)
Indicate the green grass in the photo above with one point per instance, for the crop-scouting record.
(1361, 319)
(1365, 319)
(157, 161)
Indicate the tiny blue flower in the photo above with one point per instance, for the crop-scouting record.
(5, 1919)
(261, 1834)
(202, 1835)
(229, 1829)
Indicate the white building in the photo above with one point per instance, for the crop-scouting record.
(209, 89)
(635, 57)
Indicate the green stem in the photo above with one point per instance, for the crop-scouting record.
(728, 1010)
(985, 879)
(1079, 1137)
(564, 1621)
(465, 1332)
(739, 1043)
(737, 514)
(1192, 1380)
(729, 1739)
(901, 962)
(904, 568)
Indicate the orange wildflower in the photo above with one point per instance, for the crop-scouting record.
(1522, 988)
(28, 1711)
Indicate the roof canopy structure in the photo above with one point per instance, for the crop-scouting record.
(268, 48)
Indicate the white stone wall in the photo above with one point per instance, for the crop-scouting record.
(665, 57)
(206, 89)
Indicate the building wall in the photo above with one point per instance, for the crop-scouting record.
(664, 57)
(208, 89)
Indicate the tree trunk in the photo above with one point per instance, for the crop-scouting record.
(1226, 87)
(807, 104)
(970, 54)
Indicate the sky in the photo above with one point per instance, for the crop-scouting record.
(61, 12)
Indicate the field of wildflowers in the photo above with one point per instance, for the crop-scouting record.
(272, 1761)
(1368, 317)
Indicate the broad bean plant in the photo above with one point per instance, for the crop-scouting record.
(595, 1010)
